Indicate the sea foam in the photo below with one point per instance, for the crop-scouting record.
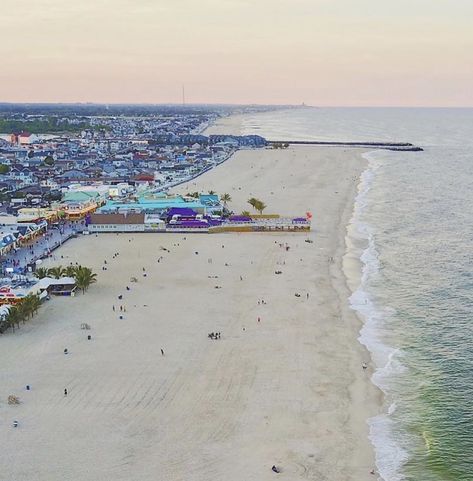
(390, 456)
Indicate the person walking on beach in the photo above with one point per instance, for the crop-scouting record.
(65, 391)
(113, 308)
(162, 352)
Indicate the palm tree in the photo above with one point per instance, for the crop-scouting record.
(25, 309)
(41, 272)
(260, 206)
(252, 201)
(246, 213)
(226, 198)
(34, 301)
(212, 192)
(13, 317)
(70, 271)
(56, 272)
(84, 278)
(29, 305)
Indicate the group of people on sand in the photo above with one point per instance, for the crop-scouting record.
(122, 308)
(214, 335)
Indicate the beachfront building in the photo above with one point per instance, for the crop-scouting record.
(78, 210)
(7, 242)
(15, 234)
(158, 203)
(64, 286)
(116, 222)
(97, 192)
(125, 222)
(36, 214)
(77, 204)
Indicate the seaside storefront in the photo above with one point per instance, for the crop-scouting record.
(37, 214)
(159, 203)
(74, 211)
(116, 222)
(15, 234)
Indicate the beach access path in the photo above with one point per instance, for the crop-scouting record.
(152, 397)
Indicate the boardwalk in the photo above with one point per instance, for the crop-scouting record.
(20, 258)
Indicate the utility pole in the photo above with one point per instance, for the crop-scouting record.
(183, 96)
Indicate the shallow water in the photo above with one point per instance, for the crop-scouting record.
(415, 213)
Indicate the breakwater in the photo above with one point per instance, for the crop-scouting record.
(396, 146)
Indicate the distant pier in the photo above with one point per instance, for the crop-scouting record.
(396, 146)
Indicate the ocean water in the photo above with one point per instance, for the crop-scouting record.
(414, 212)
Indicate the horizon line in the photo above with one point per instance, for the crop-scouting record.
(221, 104)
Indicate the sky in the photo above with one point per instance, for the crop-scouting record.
(321, 52)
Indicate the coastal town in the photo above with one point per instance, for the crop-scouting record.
(111, 174)
(128, 152)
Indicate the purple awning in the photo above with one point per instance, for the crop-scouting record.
(239, 218)
(182, 211)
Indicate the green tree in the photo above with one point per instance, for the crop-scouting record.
(13, 318)
(252, 201)
(246, 213)
(71, 271)
(4, 169)
(226, 198)
(34, 302)
(49, 160)
(41, 272)
(56, 272)
(260, 206)
(212, 192)
(25, 309)
(84, 278)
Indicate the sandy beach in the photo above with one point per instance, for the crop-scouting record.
(283, 386)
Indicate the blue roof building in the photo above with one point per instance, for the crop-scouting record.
(158, 203)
